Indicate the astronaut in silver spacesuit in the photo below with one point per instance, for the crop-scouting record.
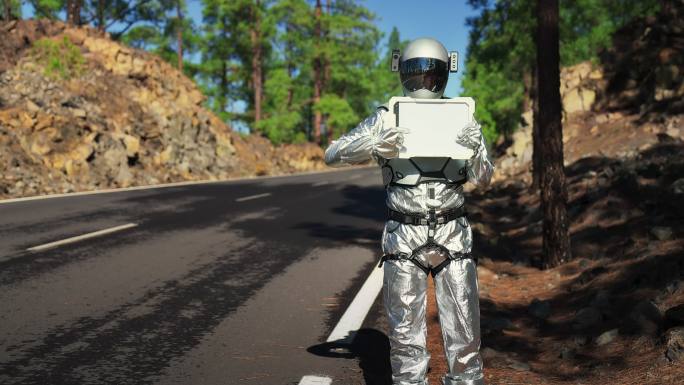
(427, 231)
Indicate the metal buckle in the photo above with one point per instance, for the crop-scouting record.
(432, 223)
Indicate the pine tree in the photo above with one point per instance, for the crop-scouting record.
(11, 10)
(351, 51)
(167, 33)
(387, 83)
(219, 69)
(318, 70)
(287, 85)
(554, 193)
(46, 8)
(73, 12)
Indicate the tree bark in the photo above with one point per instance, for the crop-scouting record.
(179, 35)
(257, 75)
(556, 240)
(536, 140)
(317, 74)
(7, 10)
(224, 84)
(100, 15)
(74, 12)
(290, 67)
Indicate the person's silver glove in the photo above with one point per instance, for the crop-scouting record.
(470, 136)
(389, 142)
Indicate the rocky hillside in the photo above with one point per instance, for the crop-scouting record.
(81, 112)
(627, 103)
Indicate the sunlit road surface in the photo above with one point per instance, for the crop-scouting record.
(233, 282)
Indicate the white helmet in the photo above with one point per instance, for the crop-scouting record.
(424, 69)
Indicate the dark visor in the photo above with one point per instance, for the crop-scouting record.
(423, 73)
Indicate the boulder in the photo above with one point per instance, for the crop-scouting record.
(661, 233)
(606, 337)
(674, 344)
(578, 99)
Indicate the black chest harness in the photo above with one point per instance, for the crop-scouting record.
(438, 256)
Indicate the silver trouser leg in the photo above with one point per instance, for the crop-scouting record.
(459, 317)
(404, 292)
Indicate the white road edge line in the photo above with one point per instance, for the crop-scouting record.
(82, 237)
(352, 319)
(315, 380)
(322, 183)
(257, 196)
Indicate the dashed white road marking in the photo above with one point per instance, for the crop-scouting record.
(352, 319)
(257, 196)
(355, 176)
(321, 183)
(315, 380)
(82, 237)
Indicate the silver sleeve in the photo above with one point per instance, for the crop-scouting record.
(357, 145)
(480, 168)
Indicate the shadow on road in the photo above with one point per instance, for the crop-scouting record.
(371, 347)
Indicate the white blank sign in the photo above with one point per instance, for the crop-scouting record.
(433, 125)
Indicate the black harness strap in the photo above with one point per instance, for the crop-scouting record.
(415, 219)
(432, 270)
(432, 219)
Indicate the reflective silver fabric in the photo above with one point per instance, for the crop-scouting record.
(458, 304)
(404, 293)
(405, 285)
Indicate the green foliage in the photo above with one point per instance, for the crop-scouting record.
(14, 9)
(282, 123)
(59, 59)
(47, 8)
(498, 98)
(586, 26)
(340, 115)
(387, 83)
(502, 54)
(287, 35)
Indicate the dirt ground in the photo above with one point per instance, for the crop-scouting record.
(599, 318)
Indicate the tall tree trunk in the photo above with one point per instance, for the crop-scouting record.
(290, 68)
(326, 70)
(317, 74)
(179, 35)
(224, 84)
(257, 75)
(101, 15)
(554, 193)
(74, 12)
(536, 140)
(326, 60)
(7, 10)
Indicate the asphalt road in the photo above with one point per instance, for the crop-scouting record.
(221, 283)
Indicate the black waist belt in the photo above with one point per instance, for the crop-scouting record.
(430, 218)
